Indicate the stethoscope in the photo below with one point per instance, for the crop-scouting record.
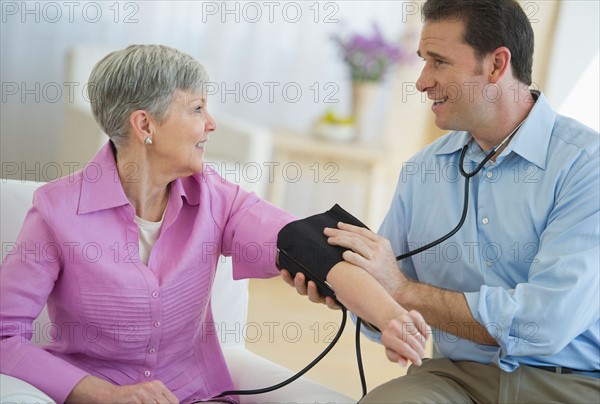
(467, 176)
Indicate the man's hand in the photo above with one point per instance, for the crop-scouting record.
(308, 289)
(369, 251)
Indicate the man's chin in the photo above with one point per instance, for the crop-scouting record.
(445, 124)
(442, 124)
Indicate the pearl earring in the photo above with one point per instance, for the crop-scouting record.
(148, 140)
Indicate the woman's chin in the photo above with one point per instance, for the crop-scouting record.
(197, 168)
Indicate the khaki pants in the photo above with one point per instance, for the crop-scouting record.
(444, 381)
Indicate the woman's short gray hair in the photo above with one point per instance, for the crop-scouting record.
(140, 77)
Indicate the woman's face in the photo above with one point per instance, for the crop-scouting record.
(178, 143)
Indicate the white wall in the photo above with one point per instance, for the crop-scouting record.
(573, 69)
(35, 37)
(282, 47)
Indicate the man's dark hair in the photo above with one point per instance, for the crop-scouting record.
(490, 24)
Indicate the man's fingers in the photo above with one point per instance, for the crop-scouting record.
(359, 230)
(356, 259)
(342, 234)
(358, 245)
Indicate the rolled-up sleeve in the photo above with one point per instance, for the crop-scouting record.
(560, 299)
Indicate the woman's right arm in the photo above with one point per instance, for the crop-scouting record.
(404, 333)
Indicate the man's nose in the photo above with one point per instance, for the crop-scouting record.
(425, 80)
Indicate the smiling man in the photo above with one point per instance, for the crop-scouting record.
(513, 296)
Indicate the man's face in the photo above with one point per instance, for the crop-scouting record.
(453, 77)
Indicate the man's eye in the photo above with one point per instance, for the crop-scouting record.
(439, 62)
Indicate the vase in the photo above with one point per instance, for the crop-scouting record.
(363, 93)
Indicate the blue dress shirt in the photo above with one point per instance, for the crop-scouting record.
(528, 255)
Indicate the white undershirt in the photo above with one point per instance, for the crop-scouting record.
(148, 234)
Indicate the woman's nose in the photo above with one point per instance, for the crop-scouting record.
(211, 125)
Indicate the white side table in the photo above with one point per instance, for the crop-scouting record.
(347, 163)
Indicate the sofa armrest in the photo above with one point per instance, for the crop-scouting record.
(13, 390)
(250, 371)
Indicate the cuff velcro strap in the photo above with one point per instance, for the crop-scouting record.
(303, 247)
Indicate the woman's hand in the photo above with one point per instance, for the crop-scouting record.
(405, 337)
(94, 389)
(147, 392)
(308, 289)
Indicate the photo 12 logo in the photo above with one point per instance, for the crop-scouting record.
(269, 11)
(53, 12)
(272, 92)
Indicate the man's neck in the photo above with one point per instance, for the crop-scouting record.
(505, 120)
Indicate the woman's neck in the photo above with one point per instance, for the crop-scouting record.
(147, 193)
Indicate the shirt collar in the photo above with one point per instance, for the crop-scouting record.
(533, 137)
(531, 140)
(101, 186)
(453, 142)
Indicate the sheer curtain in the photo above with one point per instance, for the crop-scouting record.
(271, 62)
(573, 72)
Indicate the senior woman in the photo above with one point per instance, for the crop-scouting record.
(132, 242)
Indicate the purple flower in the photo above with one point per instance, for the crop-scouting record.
(369, 57)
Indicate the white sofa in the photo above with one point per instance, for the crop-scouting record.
(249, 371)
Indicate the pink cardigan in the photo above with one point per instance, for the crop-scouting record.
(112, 316)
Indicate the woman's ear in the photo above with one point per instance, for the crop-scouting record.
(500, 64)
(142, 125)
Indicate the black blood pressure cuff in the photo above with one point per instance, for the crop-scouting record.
(303, 247)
